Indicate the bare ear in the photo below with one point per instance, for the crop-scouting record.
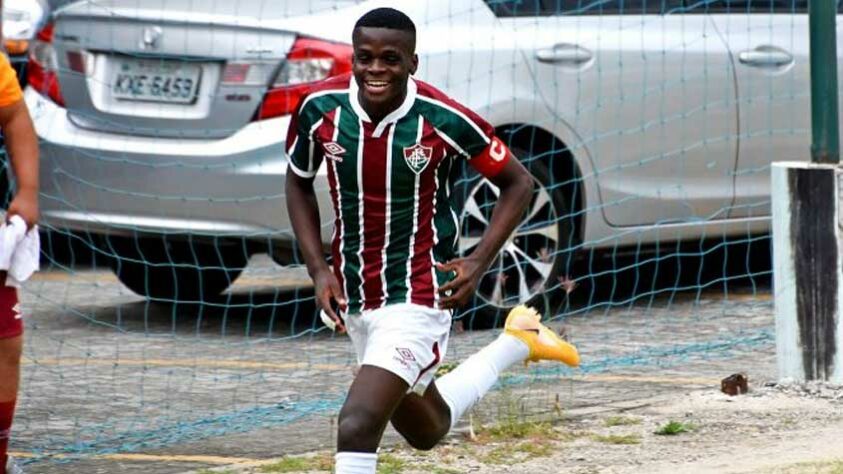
(414, 64)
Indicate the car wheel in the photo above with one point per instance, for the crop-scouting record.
(177, 271)
(528, 266)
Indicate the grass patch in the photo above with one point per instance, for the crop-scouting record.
(438, 470)
(515, 453)
(618, 439)
(445, 367)
(209, 471)
(320, 462)
(512, 429)
(621, 421)
(390, 464)
(674, 428)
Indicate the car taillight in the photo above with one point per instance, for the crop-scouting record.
(309, 61)
(42, 70)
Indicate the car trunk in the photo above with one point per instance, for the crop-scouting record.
(174, 71)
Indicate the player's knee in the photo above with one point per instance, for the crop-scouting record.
(359, 429)
(424, 441)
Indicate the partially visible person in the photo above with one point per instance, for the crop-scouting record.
(22, 150)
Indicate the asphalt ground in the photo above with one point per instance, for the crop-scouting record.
(113, 383)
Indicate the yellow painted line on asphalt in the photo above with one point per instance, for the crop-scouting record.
(75, 277)
(108, 277)
(191, 363)
(219, 460)
(250, 364)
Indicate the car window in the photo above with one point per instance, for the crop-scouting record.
(510, 8)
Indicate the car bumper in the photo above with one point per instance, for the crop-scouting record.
(115, 184)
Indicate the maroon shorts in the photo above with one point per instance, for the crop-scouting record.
(11, 322)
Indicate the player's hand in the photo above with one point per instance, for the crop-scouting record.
(328, 291)
(462, 287)
(25, 205)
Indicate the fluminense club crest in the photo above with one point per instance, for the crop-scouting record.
(417, 157)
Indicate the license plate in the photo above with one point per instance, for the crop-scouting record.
(154, 80)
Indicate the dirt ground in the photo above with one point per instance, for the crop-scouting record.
(772, 429)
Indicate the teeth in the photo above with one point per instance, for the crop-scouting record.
(376, 83)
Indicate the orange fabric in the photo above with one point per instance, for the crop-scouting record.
(9, 88)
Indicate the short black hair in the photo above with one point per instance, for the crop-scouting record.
(387, 18)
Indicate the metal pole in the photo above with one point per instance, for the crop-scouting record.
(825, 145)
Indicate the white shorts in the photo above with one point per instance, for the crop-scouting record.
(406, 339)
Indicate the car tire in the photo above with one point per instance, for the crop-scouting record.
(175, 271)
(527, 270)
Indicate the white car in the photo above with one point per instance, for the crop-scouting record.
(162, 124)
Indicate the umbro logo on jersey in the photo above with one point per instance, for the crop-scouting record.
(418, 157)
(333, 150)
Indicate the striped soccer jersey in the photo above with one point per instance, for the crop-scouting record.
(390, 185)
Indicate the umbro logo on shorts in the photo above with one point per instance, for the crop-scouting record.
(16, 310)
(406, 354)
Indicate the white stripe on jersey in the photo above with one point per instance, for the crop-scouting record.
(454, 217)
(361, 140)
(435, 232)
(388, 229)
(451, 142)
(457, 113)
(310, 151)
(300, 172)
(415, 218)
(292, 148)
(341, 230)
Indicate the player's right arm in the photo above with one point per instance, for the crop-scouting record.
(21, 145)
(303, 210)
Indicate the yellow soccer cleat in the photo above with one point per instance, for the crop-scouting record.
(524, 323)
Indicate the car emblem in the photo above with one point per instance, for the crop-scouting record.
(151, 36)
(417, 157)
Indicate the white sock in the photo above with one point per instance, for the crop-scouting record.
(355, 463)
(464, 386)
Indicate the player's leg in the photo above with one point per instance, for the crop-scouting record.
(424, 420)
(372, 398)
(11, 345)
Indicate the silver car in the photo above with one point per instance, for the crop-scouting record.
(162, 124)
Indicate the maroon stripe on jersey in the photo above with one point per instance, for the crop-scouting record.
(326, 134)
(421, 279)
(374, 212)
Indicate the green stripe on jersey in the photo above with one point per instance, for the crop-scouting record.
(349, 192)
(446, 227)
(457, 127)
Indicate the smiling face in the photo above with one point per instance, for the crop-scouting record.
(383, 60)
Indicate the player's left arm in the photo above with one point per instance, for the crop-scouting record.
(516, 188)
(22, 148)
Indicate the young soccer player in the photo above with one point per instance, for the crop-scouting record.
(390, 144)
(22, 148)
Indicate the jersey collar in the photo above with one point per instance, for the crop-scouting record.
(394, 116)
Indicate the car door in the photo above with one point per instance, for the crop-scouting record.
(769, 41)
(649, 89)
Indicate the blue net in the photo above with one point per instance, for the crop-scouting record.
(173, 312)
